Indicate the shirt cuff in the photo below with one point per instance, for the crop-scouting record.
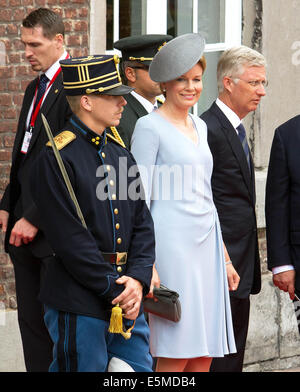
(282, 268)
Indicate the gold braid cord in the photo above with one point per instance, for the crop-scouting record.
(116, 136)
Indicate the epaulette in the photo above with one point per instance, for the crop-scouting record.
(160, 100)
(116, 136)
(62, 139)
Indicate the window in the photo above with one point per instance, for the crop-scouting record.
(218, 20)
(124, 18)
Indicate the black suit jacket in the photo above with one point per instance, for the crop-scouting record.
(132, 112)
(233, 188)
(283, 198)
(17, 196)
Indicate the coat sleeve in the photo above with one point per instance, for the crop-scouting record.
(277, 205)
(74, 245)
(4, 204)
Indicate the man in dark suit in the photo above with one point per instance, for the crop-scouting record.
(43, 36)
(137, 54)
(282, 208)
(241, 81)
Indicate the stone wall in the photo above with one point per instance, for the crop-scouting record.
(273, 341)
(15, 75)
(271, 27)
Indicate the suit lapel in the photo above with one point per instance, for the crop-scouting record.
(47, 105)
(136, 106)
(236, 147)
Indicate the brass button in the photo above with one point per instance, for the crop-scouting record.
(116, 211)
(113, 196)
(119, 269)
(107, 167)
(103, 154)
(119, 240)
(111, 182)
(93, 140)
(117, 226)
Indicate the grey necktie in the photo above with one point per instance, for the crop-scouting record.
(243, 138)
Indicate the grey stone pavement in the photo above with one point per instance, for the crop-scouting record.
(11, 353)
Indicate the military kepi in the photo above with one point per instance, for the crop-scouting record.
(98, 74)
(141, 48)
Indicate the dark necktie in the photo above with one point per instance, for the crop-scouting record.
(242, 136)
(41, 89)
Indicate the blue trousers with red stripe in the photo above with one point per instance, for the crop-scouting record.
(83, 344)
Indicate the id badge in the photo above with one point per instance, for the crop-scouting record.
(26, 142)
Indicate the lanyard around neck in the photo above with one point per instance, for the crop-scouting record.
(37, 108)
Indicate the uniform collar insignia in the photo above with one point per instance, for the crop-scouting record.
(97, 140)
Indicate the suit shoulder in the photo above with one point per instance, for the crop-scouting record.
(213, 124)
(290, 125)
(209, 118)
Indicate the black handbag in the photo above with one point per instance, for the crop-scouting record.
(166, 305)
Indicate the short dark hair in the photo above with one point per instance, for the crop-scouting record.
(128, 63)
(50, 21)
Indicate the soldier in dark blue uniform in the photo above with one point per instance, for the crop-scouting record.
(109, 262)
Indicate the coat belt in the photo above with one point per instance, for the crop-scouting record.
(118, 258)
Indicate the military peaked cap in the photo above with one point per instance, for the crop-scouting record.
(141, 48)
(98, 74)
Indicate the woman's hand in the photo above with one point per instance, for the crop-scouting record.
(155, 281)
(232, 277)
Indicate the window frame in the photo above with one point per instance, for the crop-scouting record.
(156, 23)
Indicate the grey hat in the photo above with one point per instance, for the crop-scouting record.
(177, 57)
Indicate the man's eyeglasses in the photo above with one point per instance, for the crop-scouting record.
(254, 83)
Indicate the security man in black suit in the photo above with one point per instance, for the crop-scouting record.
(106, 258)
(137, 54)
(42, 34)
(282, 209)
(241, 77)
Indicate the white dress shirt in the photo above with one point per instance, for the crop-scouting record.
(143, 101)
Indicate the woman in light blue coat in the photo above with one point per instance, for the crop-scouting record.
(170, 146)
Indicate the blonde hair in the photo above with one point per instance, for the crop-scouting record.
(233, 61)
(202, 62)
(74, 102)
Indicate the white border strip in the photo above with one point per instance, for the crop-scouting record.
(156, 17)
(233, 22)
